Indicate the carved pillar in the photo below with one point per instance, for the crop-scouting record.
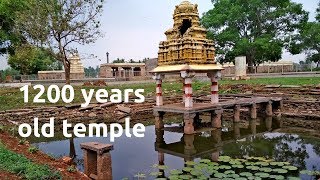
(159, 97)
(214, 77)
(253, 111)
(97, 160)
(236, 113)
(188, 123)
(216, 118)
(158, 119)
(187, 78)
(132, 72)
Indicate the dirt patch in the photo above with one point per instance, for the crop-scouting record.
(12, 143)
(8, 176)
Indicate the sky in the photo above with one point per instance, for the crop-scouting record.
(133, 29)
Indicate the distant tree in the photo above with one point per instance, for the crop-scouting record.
(59, 25)
(8, 72)
(309, 40)
(145, 60)
(29, 59)
(92, 72)
(256, 29)
(118, 60)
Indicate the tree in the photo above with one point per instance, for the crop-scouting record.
(256, 29)
(8, 37)
(118, 60)
(29, 60)
(60, 24)
(309, 40)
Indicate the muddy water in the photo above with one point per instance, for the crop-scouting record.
(252, 138)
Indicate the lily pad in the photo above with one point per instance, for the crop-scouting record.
(246, 174)
(280, 171)
(262, 175)
(205, 161)
(253, 168)
(187, 169)
(219, 175)
(187, 177)
(174, 177)
(266, 170)
(175, 172)
(290, 168)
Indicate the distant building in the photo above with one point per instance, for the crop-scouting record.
(76, 70)
(123, 70)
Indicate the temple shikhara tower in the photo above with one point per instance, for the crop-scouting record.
(186, 42)
(186, 52)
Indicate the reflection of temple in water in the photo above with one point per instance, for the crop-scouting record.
(209, 145)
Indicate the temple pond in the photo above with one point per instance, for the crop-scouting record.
(134, 156)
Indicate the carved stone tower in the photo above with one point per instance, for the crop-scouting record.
(186, 41)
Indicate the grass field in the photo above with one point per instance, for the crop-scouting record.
(12, 98)
(23, 167)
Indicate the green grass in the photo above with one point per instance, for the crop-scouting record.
(12, 98)
(20, 165)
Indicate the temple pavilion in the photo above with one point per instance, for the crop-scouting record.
(186, 51)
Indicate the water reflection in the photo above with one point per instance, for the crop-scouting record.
(251, 138)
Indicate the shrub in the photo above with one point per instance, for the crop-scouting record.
(33, 149)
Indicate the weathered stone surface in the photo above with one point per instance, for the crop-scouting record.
(272, 86)
(92, 115)
(108, 104)
(290, 86)
(124, 109)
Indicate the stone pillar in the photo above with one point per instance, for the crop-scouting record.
(236, 129)
(132, 72)
(159, 97)
(236, 113)
(189, 148)
(184, 92)
(215, 156)
(253, 126)
(269, 109)
(187, 78)
(240, 67)
(253, 111)
(216, 118)
(97, 160)
(214, 77)
(188, 123)
(158, 119)
(143, 71)
(269, 123)
(161, 158)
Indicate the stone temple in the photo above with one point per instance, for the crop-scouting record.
(186, 46)
(186, 51)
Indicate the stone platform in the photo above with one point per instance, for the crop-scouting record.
(192, 114)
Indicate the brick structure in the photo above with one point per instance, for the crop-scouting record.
(97, 160)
